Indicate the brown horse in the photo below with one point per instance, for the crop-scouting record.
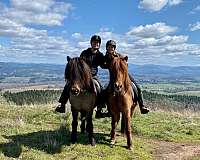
(120, 99)
(82, 97)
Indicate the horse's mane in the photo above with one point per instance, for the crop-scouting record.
(119, 64)
(78, 70)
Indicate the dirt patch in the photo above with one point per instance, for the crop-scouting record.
(175, 151)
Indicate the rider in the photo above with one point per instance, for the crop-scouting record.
(110, 51)
(94, 58)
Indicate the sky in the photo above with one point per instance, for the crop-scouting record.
(161, 32)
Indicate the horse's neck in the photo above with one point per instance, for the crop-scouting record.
(127, 82)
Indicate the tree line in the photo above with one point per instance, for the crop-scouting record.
(49, 96)
(186, 99)
(32, 97)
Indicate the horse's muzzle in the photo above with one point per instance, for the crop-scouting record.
(75, 91)
(118, 86)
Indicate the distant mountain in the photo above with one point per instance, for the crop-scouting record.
(159, 73)
(17, 73)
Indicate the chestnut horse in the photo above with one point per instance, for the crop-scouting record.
(82, 97)
(120, 99)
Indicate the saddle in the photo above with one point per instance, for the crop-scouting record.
(96, 87)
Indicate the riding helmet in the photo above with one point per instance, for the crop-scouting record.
(111, 42)
(95, 38)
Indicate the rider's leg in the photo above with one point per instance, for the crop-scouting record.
(143, 109)
(63, 99)
(100, 103)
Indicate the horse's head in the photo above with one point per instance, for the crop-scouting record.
(78, 74)
(118, 69)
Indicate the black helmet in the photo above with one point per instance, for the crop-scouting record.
(95, 38)
(111, 42)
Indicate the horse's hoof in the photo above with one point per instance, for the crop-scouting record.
(130, 148)
(93, 142)
(112, 141)
(73, 139)
(73, 142)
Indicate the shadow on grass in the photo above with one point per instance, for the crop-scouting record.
(50, 142)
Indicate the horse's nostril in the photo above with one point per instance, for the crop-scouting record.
(118, 86)
(75, 91)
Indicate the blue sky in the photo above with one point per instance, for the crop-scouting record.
(164, 32)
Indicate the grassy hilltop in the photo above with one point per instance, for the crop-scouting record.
(34, 131)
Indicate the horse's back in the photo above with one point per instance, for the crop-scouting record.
(84, 101)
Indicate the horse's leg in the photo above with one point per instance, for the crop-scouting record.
(123, 120)
(128, 128)
(122, 124)
(83, 118)
(132, 110)
(89, 129)
(115, 120)
(74, 126)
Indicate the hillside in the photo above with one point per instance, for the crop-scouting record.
(36, 132)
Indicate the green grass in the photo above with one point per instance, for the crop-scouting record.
(168, 126)
(36, 132)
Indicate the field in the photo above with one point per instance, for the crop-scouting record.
(185, 88)
(34, 131)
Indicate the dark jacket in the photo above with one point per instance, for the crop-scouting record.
(93, 60)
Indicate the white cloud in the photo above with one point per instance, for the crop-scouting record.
(194, 27)
(28, 44)
(33, 5)
(9, 28)
(174, 2)
(195, 10)
(154, 44)
(39, 49)
(152, 5)
(166, 40)
(77, 35)
(83, 44)
(152, 30)
(157, 5)
(47, 12)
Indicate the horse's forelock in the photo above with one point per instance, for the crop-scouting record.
(119, 64)
(80, 72)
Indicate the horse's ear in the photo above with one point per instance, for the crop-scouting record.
(68, 58)
(125, 58)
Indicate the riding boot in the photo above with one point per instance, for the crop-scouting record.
(99, 113)
(143, 109)
(109, 113)
(60, 108)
